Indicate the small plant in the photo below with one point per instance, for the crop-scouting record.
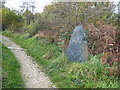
(11, 75)
(65, 74)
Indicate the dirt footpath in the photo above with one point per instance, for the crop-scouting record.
(33, 76)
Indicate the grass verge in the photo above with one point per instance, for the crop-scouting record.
(11, 75)
(65, 74)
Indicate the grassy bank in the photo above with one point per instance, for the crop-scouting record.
(11, 75)
(65, 74)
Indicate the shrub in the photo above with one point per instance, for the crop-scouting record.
(32, 29)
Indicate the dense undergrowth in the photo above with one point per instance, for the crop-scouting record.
(65, 74)
(11, 75)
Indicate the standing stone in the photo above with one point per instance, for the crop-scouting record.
(77, 49)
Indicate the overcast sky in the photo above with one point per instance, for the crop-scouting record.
(15, 4)
(40, 4)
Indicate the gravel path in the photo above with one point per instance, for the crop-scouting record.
(33, 76)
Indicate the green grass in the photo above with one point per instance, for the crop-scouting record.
(0, 66)
(65, 74)
(11, 75)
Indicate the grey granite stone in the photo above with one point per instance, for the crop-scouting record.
(76, 51)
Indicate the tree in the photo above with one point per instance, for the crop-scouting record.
(2, 3)
(27, 9)
(28, 6)
(28, 17)
(10, 19)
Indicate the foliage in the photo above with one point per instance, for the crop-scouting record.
(60, 18)
(32, 29)
(2, 3)
(64, 74)
(11, 20)
(28, 17)
(102, 39)
(11, 75)
(27, 6)
(49, 33)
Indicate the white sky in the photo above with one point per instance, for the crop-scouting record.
(40, 4)
(15, 4)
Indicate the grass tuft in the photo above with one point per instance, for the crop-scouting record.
(11, 75)
(65, 74)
